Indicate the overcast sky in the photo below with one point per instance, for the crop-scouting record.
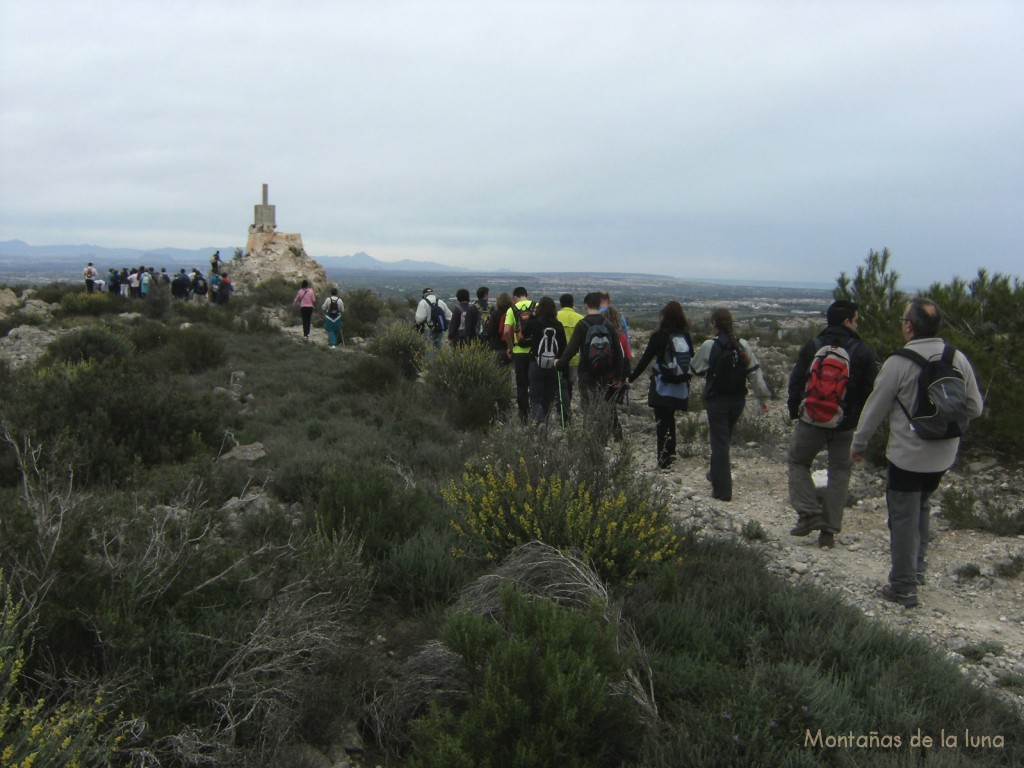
(724, 140)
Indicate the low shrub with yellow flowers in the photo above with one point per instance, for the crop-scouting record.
(74, 734)
(502, 506)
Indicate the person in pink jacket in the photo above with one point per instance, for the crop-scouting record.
(306, 300)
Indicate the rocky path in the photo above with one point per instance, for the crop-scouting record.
(977, 619)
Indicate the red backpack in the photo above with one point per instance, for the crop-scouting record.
(824, 402)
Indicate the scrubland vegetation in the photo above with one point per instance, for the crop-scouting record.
(467, 591)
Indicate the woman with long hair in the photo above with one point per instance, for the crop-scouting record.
(670, 348)
(729, 366)
(496, 328)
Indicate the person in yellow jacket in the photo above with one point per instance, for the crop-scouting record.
(519, 348)
(569, 317)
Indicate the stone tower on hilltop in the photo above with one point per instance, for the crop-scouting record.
(269, 254)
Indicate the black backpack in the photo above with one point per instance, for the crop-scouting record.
(941, 410)
(522, 316)
(437, 321)
(333, 310)
(597, 357)
(200, 286)
(483, 323)
(728, 373)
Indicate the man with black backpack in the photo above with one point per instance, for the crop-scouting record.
(832, 378)
(928, 392)
(600, 362)
(433, 317)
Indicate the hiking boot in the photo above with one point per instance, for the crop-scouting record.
(826, 540)
(906, 599)
(807, 524)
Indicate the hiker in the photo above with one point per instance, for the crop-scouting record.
(483, 311)
(180, 286)
(89, 273)
(224, 288)
(600, 361)
(830, 381)
(615, 321)
(918, 453)
(547, 341)
(199, 286)
(333, 309)
(433, 317)
(465, 318)
(670, 348)
(145, 278)
(113, 282)
(729, 366)
(215, 263)
(569, 317)
(306, 300)
(495, 332)
(518, 346)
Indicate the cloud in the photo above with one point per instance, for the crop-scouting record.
(736, 139)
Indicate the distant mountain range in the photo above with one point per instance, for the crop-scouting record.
(14, 253)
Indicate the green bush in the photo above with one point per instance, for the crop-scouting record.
(34, 731)
(94, 343)
(363, 310)
(542, 692)
(421, 573)
(369, 373)
(54, 293)
(90, 304)
(986, 511)
(110, 417)
(566, 496)
(474, 389)
(366, 500)
(402, 344)
(272, 292)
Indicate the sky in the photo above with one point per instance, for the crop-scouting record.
(720, 140)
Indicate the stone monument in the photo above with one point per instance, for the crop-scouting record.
(269, 254)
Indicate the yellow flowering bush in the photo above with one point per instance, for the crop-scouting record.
(503, 506)
(72, 734)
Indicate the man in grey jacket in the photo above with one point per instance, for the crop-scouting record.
(916, 465)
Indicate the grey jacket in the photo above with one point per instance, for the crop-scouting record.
(898, 379)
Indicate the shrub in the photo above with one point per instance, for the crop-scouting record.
(363, 309)
(568, 498)
(402, 344)
(34, 731)
(110, 416)
(365, 500)
(93, 343)
(475, 390)
(421, 573)
(54, 293)
(272, 292)
(370, 373)
(90, 304)
(982, 512)
(541, 692)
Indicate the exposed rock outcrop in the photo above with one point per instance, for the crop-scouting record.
(280, 254)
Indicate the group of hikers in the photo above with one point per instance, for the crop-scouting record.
(138, 282)
(838, 396)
